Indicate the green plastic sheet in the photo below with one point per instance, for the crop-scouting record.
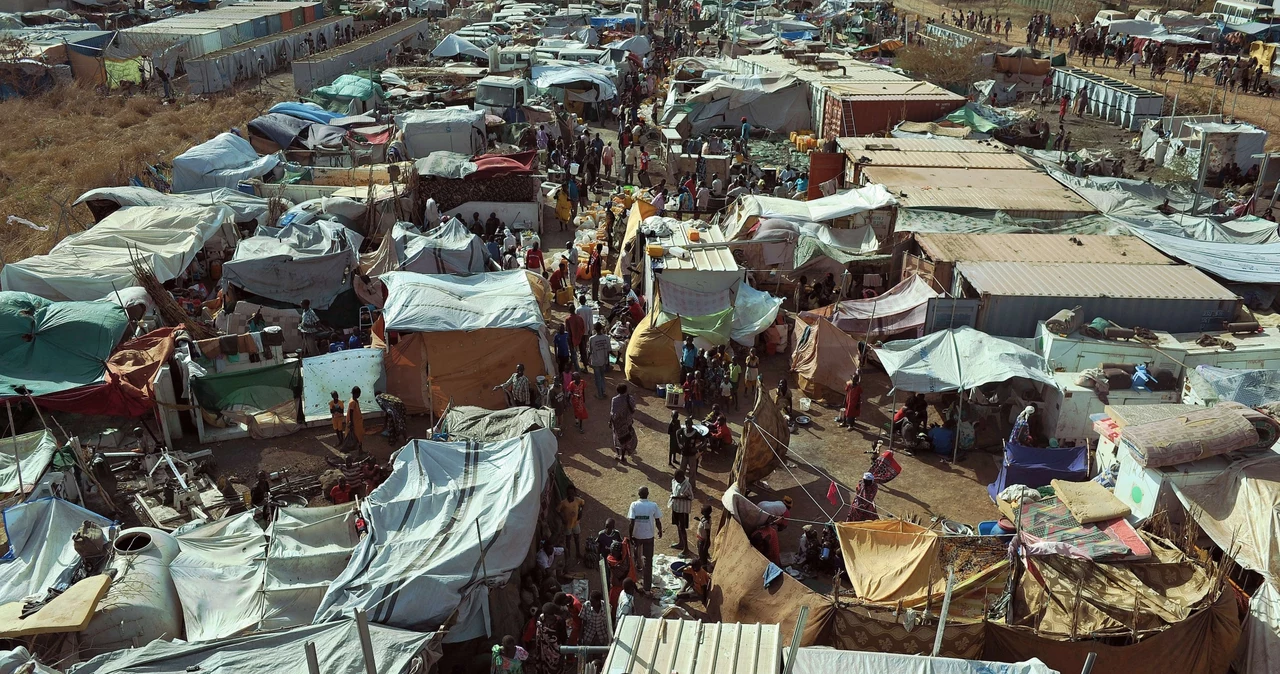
(715, 328)
(258, 389)
(55, 346)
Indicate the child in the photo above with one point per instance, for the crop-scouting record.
(337, 413)
(704, 535)
(695, 581)
(726, 391)
(673, 446)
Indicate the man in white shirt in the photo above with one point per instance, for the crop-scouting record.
(717, 185)
(646, 520)
(632, 158)
(509, 241)
(704, 198)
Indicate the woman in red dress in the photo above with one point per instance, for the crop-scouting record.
(852, 402)
(576, 390)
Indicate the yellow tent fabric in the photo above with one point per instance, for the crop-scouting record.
(639, 211)
(1263, 53)
(890, 560)
(824, 358)
(122, 71)
(764, 441)
(651, 357)
(541, 291)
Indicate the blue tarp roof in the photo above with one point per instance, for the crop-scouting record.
(309, 111)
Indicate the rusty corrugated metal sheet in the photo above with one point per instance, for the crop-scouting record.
(1083, 279)
(1021, 192)
(943, 145)
(987, 160)
(1095, 248)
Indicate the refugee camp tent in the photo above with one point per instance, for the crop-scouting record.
(41, 554)
(651, 358)
(248, 208)
(472, 331)
(807, 248)
(824, 357)
(776, 102)
(351, 94)
(48, 347)
(901, 309)
(813, 660)
(581, 82)
(636, 44)
(444, 506)
(1038, 466)
(751, 209)
(958, 359)
(221, 162)
(127, 387)
(447, 249)
(456, 129)
(337, 645)
(27, 455)
(298, 262)
(452, 45)
(92, 264)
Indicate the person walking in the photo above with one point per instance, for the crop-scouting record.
(598, 354)
(681, 504)
(646, 522)
(354, 441)
(576, 391)
(622, 411)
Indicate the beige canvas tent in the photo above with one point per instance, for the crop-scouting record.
(824, 357)
(651, 357)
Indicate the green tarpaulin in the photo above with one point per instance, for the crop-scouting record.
(55, 346)
(714, 328)
(968, 117)
(258, 389)
(1058, 61)
(347, 88)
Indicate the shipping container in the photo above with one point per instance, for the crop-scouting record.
(309, 12)
(299, 17)
(274, 24)
(286, 20)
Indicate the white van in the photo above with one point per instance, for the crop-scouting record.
(1106, 16)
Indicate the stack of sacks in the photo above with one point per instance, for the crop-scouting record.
(1226, 427)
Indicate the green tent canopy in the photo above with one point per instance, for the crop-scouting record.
(55, 346)
(259, 389)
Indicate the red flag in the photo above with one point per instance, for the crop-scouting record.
(832, 494)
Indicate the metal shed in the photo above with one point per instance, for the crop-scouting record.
(647, 645)
(1111, 99)
(940, 252)
(1017, 295)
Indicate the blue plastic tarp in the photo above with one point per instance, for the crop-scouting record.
(1038, 466)
(309, 111)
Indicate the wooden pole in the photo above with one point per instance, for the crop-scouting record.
(366, 643)
(17, 460)
(313, 662)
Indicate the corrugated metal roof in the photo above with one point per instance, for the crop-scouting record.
(701, 257)
(1099, 248)
(905, 88)
(943, 145)
(1079, 279)
(977, 188)
(649, 646)
(987, 160)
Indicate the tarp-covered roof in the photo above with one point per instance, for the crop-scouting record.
(1240, 262)
(301, 261)
(900, 308)
(958, 359)
(55, 346)
(221, 162)
(444, 302)
(773, 101)
(448, 249)
(90, 265)
(41, 553)
(246, 207)
(831, 661)
(337, 646)
(427, 524)
(599, 77)
(840, 205)
(452, 45)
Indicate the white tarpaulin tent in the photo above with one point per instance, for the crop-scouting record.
(751, 207)
(221, 162)
(448, 249)
(455, 129)
(337, 646)
(445, 302)
(776, 102)
(452, 45)
(443, 503)
(901, 308)
(598, 77)
(753, 312)
(233, 577)
(339, 372)
(958, 359)
(637, 44)
(35, 451)
(92, 264)
(314, 261)
(246, 207)
(40, 549)
(811, 660)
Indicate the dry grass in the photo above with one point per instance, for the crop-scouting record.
(59, 145)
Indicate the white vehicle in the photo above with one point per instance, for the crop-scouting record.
(511, 59)
(1106, 16)
(1236, 12)
(496, 93)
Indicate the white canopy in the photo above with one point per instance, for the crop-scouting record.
(90, 265)
(445, 302)
(812, 660)
(444, 503)
(599, 77)
(958, 359)
(40, 550)
(221, 162)
(638, 45)
(452, 45)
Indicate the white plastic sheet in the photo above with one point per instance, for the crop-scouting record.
(309, 547)
(34, 452)
(429, 520)
(40, 551)
(903, 307)
(452, 45)
(221, 162)
(545, 77)
(1241, 262)
(811, 660)
(1259, 649)
(958, 359)
(218, 574)
(753, 312)
(340, 372)
(444, 302)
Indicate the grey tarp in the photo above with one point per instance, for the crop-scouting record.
(477, 423)
(779, 103)
(337, 648)
(312, 261)
(247, 207)
(40, 551)
(448, 249)
(428, 521)
(1241, 262)
(958, 359)
(281, 129)
(456, 129)
(221, 162)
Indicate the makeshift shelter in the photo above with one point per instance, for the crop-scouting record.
(455, 129)
(959, 359)
(651, 357)
(481, 425)
(445, 506)
(1038, 466)
(579, 84)
(824, 357)
(447, 249)
(813, 660)
(41, 554)
(247, 208)
(765, 440)
(298, 262)
(868, 205)
(48, 347)
(1239, 510)
(806, 248)
(221, 162)
(470, 331)
(452, 46)
(266, 396)
(901, 309)
(694, 647)
(275, 132)
(776, 102)
(349, 94)
(337, 645)
(27, 455)
(127, 387)
(1239, 262)
(92, 264)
